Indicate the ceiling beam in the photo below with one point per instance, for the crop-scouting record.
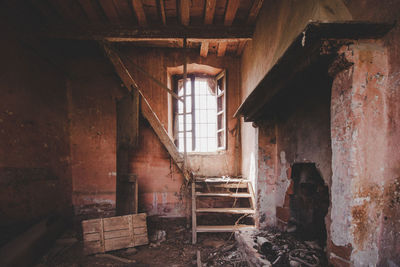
(139, 11)
(161, 6)
(255, 9)
(184, 14)
(222, 49)
(120, 34)
(230, 12)
(90, 11)
(209, 11)
(110, 10)
(204, 49)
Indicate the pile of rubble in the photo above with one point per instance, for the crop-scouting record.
(274, 248)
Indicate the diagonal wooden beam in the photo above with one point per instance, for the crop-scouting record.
(119, 67)
(254, 10)
(110, 10)
(242, 45)
(161, 6)
(209, 11)
(230, 12)
(184, 14)
(139, 11)
(204, 49)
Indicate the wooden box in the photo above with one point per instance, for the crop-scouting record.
(106, 234)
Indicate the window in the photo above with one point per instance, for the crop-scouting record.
(205, 113)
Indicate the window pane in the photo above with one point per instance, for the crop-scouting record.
(220, 121)
(188, 104)
(220, 101)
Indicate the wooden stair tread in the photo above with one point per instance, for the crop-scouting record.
(227, 210)
(221, 180)
(221, 228)
(223, 185)
(216, 194)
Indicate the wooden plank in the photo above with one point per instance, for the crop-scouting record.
(140, 230)
(117, 234)
(118, 243)
(216, 194)
(110, 11)
(230, 12)
(139, 11)
(91, 237)
(222, 49)
(252, 199)
(221, 180)
(254, 10)
(139, 220)
(141, 240)
(91, 226)
(241, 47)
(221, 228)
(204, 49)
(114, 33)
(223, 185)
(209, 12)
(161, 7)
(194, 218)
(124, 11)
(184, 12)
(227, 210)
(90, 10)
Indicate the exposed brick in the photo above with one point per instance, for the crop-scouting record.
(341, 251)
(338, 262)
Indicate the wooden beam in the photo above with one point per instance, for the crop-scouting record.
(139, 11)
(209, 11)
(110, 10)
(255, 8)
(184, 12)
(230, 12)
(119, 67)
(90, 11)
(204, 49)
(161, 6)
(222, 49)
(242, 45)
(112, 33)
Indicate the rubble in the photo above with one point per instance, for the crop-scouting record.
(275, 248)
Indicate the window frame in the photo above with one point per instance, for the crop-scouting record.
(175, 110)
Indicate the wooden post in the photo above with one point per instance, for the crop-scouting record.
(194, 219)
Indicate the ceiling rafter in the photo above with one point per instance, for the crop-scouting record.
(90, 11)
(139, 11)
(230, 13)
(255, 9)
(209, 12)
(184, 12)
(110, 10)
(161, 7)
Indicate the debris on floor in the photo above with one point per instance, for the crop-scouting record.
(280, 249)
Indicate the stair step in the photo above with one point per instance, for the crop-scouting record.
(227, 210)
(224, 185)
(221, 180)
(241, 195)
(221, 228)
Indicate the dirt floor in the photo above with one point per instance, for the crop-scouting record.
(170, 248)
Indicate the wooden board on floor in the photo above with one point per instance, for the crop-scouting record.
(107, 234)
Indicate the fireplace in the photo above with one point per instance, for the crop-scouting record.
(308, 204)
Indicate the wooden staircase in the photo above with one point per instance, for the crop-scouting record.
(223, 188)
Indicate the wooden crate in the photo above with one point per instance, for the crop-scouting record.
(106, 234)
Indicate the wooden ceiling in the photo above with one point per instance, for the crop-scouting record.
(212, 26)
